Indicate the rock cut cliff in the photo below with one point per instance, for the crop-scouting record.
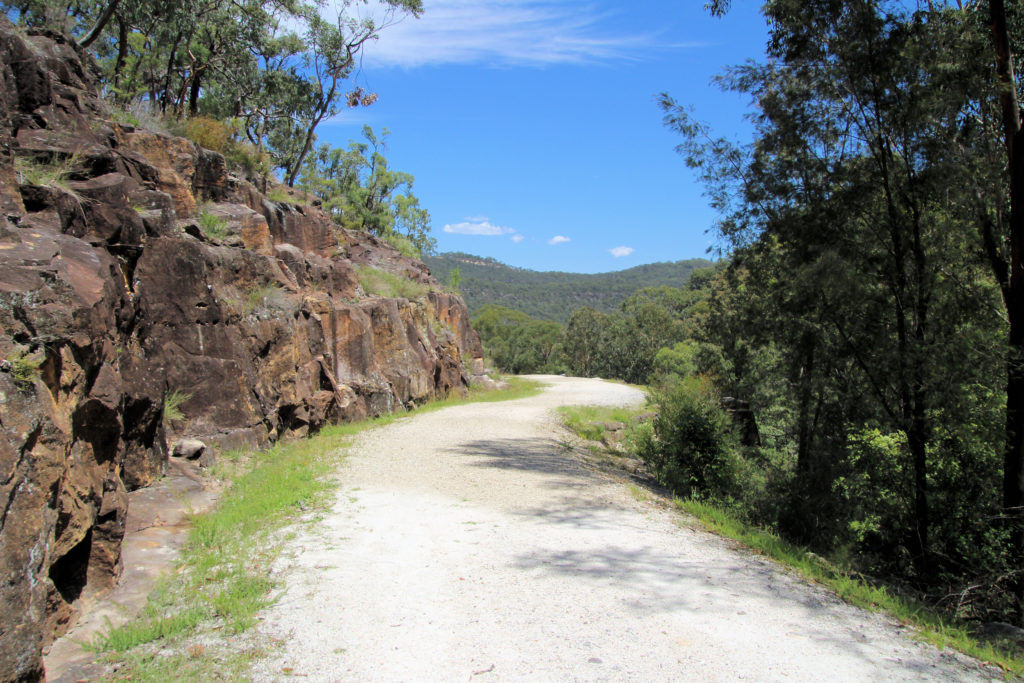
(113, 297)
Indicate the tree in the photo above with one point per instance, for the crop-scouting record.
(853, 220)
(361, 192)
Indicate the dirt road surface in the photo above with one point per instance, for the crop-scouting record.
(468, 544)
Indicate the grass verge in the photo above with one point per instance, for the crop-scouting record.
(587, 422)
(929, 626)
(223, 577)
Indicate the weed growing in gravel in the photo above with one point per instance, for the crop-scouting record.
(588, 422)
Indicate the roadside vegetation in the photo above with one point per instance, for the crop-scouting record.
(196, 624)
(621, 437)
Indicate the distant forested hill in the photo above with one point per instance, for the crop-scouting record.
(553, 295)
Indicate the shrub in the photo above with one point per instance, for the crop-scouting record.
(172, 405)
(209, 133)
(213, 226)
(691, 446)
(24, 370)
(403, 244)
(382, 283)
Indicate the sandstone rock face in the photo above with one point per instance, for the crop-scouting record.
(112, 297)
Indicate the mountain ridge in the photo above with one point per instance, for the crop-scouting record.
(553, 295)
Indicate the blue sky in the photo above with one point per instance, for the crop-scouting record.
(532, 130)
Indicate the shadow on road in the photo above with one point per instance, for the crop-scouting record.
(544, 456)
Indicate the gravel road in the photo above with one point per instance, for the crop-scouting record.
(467, 544)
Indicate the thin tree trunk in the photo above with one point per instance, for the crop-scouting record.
(1013, 460)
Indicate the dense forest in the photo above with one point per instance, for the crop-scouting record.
(552, 295)
(870, 310)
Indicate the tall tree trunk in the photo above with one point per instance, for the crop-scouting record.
(1013, 460)
(122, 52)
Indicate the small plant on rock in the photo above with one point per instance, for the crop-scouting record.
(213, 226)
(172, 405)
(24, 370)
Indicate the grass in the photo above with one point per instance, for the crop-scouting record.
(213, 226)
(172, 405)
(382, 283)
(588, 421)
(223, 577)
(24, 370)
(849, 587)
(260, 297)
(53, 172)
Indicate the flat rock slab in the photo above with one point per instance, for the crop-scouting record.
(468, 544)
(157, 526)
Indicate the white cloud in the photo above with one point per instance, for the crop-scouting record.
(530, 32)
(620, 251)
(477, 226)
(558, 239)
(517, 238)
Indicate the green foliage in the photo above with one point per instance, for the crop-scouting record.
(931, 625)
(361, 193)
(404, 245)
(454, 278)
(213, 226)
(862, 314)
(172, 405)
(46, 171)
(279, 69)
(519, 344)
(691, 445)
(24, 370)
(588, 422)
(261, 297)
(382, 283)
(209, 133)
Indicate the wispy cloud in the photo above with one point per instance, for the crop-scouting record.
(517, 238)
(620, 251)
(522, 32)
(558, 239)
(477, 226)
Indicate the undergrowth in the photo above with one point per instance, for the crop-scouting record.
(850, 587)
(383, 283)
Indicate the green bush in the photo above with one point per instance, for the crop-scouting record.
(383, 283)
(691, 446)
(403, 244)
(213, 226)
(209, 133)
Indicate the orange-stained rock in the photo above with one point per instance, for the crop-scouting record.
(111, 287)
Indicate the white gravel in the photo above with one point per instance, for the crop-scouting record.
(465, 544)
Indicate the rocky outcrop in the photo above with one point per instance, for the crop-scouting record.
(115, 293)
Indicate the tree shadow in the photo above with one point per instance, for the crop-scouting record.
(544, 456)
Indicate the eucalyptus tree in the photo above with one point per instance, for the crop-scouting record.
(361, 192)
(855, 218)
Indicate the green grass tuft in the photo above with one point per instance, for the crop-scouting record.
(213, 226)
(381, 283)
